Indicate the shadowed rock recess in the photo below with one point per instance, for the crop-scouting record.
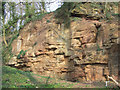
(93, 49)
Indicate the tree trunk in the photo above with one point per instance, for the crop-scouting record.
(4, 38)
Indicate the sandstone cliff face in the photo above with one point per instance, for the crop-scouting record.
(80, 53)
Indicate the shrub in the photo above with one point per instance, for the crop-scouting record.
(22, 53)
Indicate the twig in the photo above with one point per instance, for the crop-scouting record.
(114, 81)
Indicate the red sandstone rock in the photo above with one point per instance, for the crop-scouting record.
(49, 49)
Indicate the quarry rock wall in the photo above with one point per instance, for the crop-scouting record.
(80, 53)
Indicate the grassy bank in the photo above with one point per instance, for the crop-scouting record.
(14, 78)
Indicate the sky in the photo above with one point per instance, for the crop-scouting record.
(53, 6)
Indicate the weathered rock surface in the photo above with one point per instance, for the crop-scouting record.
(93, 47)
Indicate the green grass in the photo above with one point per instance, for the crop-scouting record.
(14, 78)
